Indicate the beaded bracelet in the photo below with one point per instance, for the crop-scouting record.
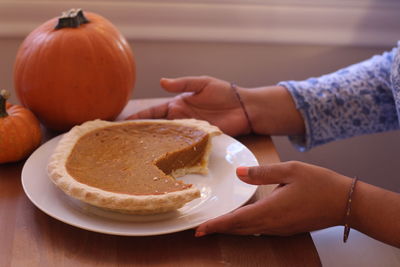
(348, 211)
(234, 88)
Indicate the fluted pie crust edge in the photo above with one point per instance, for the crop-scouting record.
(126, 203)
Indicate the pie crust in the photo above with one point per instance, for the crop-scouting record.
(126, 202)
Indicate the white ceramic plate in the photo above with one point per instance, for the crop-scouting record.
(221, 192)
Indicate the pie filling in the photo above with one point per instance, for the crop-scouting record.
(136, 158)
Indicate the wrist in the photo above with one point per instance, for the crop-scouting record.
(272, 111)
(243, 107)
(376, 212)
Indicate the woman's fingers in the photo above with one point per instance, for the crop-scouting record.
(277, 173)
(156, 112)
(248, 219)
(241, 221)
(185, 84)
(311, 198)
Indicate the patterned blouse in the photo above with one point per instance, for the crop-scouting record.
(363, 98)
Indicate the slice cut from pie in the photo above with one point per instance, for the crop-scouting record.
(132, 166)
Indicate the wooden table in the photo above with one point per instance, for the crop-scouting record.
(28, 237)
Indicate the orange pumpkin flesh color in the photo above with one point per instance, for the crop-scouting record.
(71, 69)
(20, 132)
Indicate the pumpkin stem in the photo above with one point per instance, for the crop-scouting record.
(4, 95)
(72, 18)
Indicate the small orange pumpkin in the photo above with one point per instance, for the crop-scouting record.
(20, 132)
(73, 69)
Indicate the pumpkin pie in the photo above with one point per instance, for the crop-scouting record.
(132, 166)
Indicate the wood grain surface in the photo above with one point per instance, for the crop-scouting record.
(28, 237)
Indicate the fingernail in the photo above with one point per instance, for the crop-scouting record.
(242, 171)
(199, 234)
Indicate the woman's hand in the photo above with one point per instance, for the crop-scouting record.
(307, 198)
(203, 98)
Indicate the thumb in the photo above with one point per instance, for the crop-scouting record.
(267, 174)
(184, 84)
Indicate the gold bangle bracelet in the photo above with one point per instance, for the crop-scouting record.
(348, 211)
(234, 88)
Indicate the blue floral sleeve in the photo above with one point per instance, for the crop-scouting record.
(356, 100)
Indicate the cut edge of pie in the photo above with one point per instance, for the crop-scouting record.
(125, 203)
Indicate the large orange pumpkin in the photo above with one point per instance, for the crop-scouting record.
(73, 69)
